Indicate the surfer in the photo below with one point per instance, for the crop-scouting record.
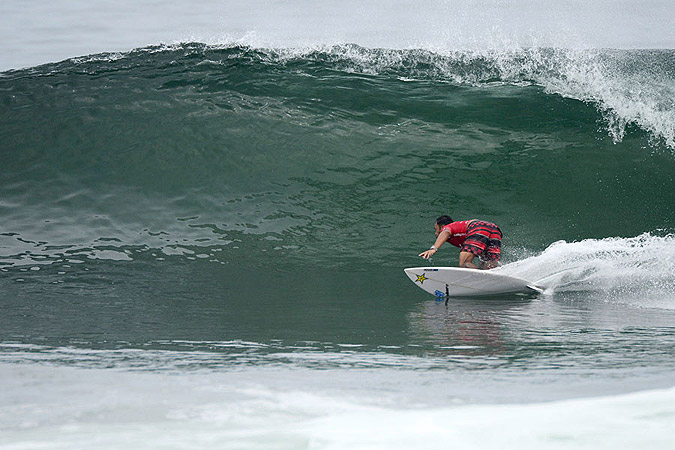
(473, 237)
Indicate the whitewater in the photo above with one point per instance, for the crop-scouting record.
(206, 208)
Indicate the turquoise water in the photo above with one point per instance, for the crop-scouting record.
(208, 240)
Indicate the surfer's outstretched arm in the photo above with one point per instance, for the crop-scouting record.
(443, 236)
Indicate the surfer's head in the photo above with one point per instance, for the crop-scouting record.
(444, 220)
(441, 222)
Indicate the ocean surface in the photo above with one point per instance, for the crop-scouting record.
(202, 238)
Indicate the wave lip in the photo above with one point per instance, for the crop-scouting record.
(630, 88)
(84, 28)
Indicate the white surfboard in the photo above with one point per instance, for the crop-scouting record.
(461, 282)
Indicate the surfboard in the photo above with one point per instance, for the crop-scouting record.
(446, 282)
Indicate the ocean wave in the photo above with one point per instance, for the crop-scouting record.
(214, 152)
(628, 87)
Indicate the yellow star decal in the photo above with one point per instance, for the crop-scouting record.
(421, 278)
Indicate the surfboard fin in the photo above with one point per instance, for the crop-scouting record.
(535, 288)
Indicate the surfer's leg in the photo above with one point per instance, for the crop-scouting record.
(465, 260)
(493, 247)
(474, 244)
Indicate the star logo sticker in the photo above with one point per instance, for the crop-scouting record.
(421, 278)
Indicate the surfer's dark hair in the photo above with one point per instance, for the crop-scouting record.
(444, 220)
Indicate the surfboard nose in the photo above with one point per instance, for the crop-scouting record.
(409, 273)
(415, 272)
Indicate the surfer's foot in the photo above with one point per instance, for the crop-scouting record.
(486, 265)
(468, 265)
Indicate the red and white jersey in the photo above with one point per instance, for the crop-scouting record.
(457, 231)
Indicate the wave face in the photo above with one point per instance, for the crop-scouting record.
(276, 157)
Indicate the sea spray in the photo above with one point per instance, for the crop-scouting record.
(639, 271)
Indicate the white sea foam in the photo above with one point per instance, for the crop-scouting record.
(627, 88)
(639, 271)
(65, 408)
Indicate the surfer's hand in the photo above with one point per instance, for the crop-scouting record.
(427, 254)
